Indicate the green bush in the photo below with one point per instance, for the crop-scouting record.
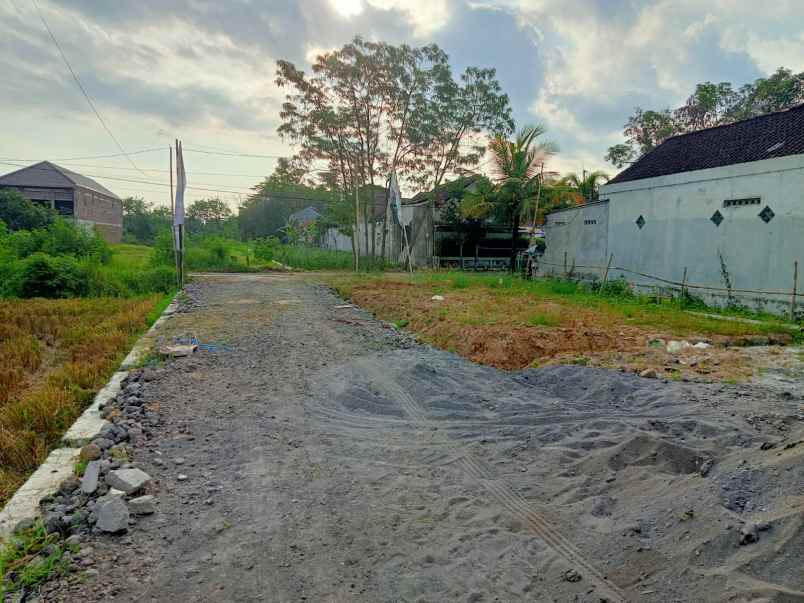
(266, 249)
(618, 287)
(18, 213)
(42, 275)
(59, 238)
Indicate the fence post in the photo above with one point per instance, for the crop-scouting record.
(565, 263)
(795, 287)
(608, 267)
(684, 286)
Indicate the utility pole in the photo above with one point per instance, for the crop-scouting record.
(172, 220)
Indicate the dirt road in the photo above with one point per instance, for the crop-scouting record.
(329, 458)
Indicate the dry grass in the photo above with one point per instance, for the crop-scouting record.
(54, 356)
(511, 324)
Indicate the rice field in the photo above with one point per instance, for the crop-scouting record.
(54, 356)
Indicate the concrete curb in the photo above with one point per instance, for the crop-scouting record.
(59, 464)
(90, 423)
(45, 481)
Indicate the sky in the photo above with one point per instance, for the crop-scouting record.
(203, 71)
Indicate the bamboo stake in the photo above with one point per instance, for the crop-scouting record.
(795, 287)
(684, 285)
(608, 267)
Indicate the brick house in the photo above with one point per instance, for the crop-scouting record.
(72, 195)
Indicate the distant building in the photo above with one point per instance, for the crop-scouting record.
(305, 217)
(72, 195)
(726, 204)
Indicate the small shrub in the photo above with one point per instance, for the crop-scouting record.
(42, 275)
(618, 287)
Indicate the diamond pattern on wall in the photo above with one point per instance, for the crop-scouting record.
(717, 217)
(767, 214)
(640, 221)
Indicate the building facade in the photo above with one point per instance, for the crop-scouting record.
(71, 195)
(721, 208)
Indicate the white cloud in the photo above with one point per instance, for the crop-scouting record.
(426, 16)
(347, 8)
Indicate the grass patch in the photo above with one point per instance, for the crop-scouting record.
(509, 323)
(543, 320)
(55, 355)
(302, 257)
(31, 558)
(79, 468)
(634, 309)
(127, 256)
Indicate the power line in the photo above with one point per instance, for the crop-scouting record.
(161, 171)
(228, 154)
(202, 187)
(92, 156)
(135, 181)
(83, 90)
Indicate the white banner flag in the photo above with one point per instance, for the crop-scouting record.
(181, 185)
(396, 198)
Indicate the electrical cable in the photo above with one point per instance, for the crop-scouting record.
(83, 90)
(151, 150)
(202, 187)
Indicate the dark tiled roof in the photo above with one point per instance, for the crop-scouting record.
(49, 175)
(764, 137)
(442, 193)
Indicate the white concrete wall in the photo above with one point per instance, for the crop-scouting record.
(581, 232)
(419, 230)
(678, 231)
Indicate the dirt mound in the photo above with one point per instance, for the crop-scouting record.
(649, 482)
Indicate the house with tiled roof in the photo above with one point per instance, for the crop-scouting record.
(72, 195)
(722, 208)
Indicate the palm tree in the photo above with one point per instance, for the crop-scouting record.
(516, 167)
(587, 184)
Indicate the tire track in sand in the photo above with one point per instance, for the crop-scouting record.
(506, 496)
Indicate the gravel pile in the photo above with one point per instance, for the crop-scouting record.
(112, 490)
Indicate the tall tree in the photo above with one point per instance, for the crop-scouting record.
(709, 105)
(370, 108)
(516, 166)
(585, 185)
(451, 132)
(209, 216)
(289, 171)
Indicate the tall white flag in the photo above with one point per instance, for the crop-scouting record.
(181, 185)
(396, 198)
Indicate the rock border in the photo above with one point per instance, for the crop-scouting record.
(59, 464)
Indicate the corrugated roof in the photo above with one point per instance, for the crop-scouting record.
(49, 175)
(764, 137)
(303, 216)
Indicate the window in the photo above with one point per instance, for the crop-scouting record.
(590, 222)
(65, 208)
(741, 202)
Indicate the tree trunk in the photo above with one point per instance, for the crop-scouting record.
(514, 237)
(461, 252)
